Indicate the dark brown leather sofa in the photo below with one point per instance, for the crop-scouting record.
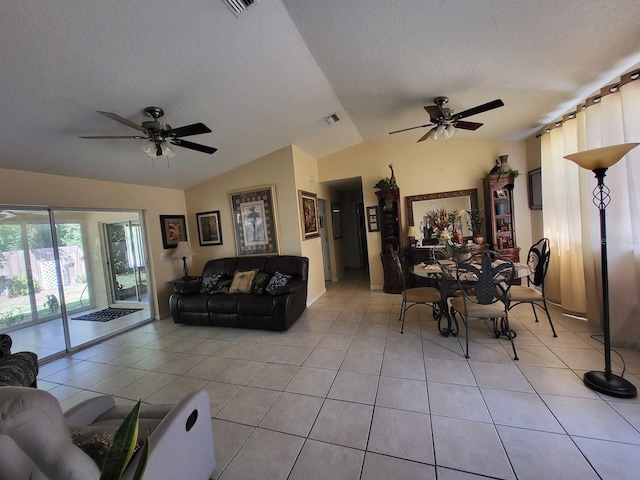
(267, 311)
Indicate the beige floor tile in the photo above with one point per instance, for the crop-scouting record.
(401, 434)
(233, 349)
(74, 370)
(145, 386)
(536, 455)
(616, 461)
(274, 376)
(292, 413)
(240, 372)
(458, 401)
(343, 328)
(209, 367)
(63, 392)
(582, 358)
(343, 423)
(335, 341)
(539, 356)
(312, 381)
(520, 409)
(208, 347)
(325, 358)
(354, 387)
(367, 344)
(557, 381)
(403, 394)
(306, 339)
(320, 461)
(382, 467)
(181, 364)
(261, 352)
(591, 418)
(93, 376)
(403, 366)
(174, 391)
(362, 362)
(156, 360)
(228, 437)
(372, 330)
(442, 348)
(248, 406)
(220, 394)
(483, 450)
(185, 344)
(291, 355)
(497, 375)
(265, 454)
(450, 474)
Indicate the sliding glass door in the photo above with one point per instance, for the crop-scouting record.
(53, 286)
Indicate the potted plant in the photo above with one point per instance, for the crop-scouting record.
(386, 184)
(461, 251)
(475, 219)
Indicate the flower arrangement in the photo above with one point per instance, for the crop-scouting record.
(475, 218)
(438, 218)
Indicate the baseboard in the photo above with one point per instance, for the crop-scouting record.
(312, 301)
(375, 287)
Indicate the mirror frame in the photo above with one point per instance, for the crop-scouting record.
(472, 193)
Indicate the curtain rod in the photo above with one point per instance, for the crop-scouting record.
(594, 100)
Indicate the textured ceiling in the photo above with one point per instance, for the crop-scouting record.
(267, 78)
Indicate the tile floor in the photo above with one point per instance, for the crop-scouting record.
(343, 395)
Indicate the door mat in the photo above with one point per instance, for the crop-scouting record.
(106, 314)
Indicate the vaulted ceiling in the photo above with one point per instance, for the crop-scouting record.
(268, 77)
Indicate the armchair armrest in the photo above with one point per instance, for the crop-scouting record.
(191, 286)
(86, 412)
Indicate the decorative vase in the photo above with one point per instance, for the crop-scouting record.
(461, 256)
(504, 166)
(444, 236)
(501, 209)
(478, 239)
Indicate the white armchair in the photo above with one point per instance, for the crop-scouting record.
(35, 440)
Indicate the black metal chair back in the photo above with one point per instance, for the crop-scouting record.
(488, 274)
(538, 259)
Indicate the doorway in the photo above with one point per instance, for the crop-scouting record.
(324, 238)
(125, 261)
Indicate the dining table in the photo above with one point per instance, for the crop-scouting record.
(444, 272)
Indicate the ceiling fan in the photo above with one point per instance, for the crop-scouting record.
(159, 134)
(445, 122)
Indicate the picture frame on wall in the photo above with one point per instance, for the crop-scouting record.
(336, 217)
(209, 231)
(535, 189)
(309, 214)
(255, 225)
(373, 222)
(174, 230)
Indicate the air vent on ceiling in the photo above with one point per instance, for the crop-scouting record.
(331, 119)
(238, 6)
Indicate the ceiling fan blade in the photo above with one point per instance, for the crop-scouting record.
(114, 136)
(122, 120)
(411, 128)
(479, 109)
(467, 125)
(187, 130)
(434, 112)
(426, 135)
(193, 146)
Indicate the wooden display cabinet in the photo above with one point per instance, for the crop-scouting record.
(500, 215)
(391, 236)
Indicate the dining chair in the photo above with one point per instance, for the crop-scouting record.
(484, 281)
(533, 293)
(429, 296)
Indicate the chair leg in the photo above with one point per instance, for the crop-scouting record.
(546, 310)
(533, 307)
(402, 312)
(508, 332)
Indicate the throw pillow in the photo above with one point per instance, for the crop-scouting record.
(96, 441)
(278, 280)
(222, 286)
(242, 281)
(260, 282)
(208, 283)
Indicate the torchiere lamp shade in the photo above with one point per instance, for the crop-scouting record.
(604, 157)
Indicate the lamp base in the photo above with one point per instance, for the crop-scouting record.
(610, 384)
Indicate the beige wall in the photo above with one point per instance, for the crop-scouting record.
(428, 167)
(25, 188)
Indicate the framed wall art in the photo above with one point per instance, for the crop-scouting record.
(372, 219)
(174, 230)
(336, 216)
(209, 231)
(254, 220)
(535, 189)
(309, 214)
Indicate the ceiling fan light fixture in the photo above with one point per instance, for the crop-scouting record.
(151, 150)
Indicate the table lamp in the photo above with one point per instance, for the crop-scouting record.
(183, 251)
(598, 160)
(411, 233)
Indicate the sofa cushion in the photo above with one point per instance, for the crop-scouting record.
(258, 305)
(278, 280)
(242, 281)
(208, 283)
(222, 286)
(260, 282)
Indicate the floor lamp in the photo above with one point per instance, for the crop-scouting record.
(598, 161)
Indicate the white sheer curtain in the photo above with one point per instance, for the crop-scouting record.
(572, 222)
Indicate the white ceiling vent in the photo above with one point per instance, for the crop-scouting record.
(331, 119)
(238, 6)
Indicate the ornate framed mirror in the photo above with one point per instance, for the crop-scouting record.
(418, 205)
